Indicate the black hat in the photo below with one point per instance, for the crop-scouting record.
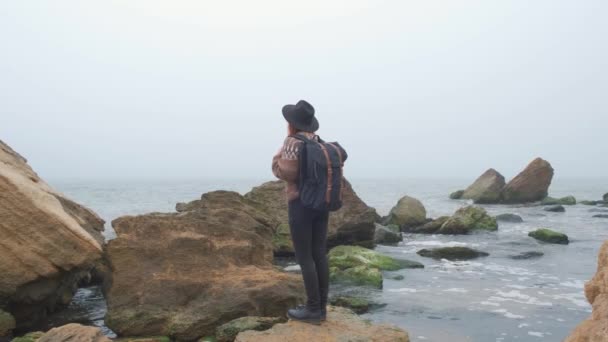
(301, 116)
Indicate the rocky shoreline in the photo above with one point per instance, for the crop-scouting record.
(206, 271)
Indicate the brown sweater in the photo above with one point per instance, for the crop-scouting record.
(286, 165)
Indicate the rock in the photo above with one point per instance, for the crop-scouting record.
(353, 224)
(487, 188)
(456, 194)
(605, 197)
(227, 332)
(74, 333)
(550, 236)
(452, 253)
(49, 242)
(357, 304)
(431, 227)
(182, 275)
(341, 325)
(360, 266)
(591, 202)
(408, 212)
(568, 200)
(598, 210)
(601, 216)
(144, 339)
(398, 277)
(595, 328)
(555, 208)
(29, 337)
(509, 218)
(530, 185)
(387, 235)
(7, 323)
(527, 255)
(468, 219)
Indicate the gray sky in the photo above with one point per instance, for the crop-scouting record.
(193, 89)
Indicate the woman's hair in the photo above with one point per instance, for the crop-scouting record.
(292, 130)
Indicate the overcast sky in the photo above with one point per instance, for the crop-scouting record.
(194, 89)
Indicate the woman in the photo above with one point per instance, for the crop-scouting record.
(308, 226)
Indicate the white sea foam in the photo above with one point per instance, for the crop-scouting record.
(456, 289)
(403, 289)
(576, 298)
(489, 303)
(518, 297)
(432, 243)
(577, 284)
(523, 325)
(536, 334)
(508, 314)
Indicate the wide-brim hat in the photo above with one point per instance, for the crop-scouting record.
(301, 116)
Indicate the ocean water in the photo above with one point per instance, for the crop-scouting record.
(488, 299)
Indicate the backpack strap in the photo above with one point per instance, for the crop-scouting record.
(329, 173)
(341, 166)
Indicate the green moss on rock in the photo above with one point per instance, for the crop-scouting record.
(452, 253)
(227, 332)
(549, 236)
(357, 304)
(7, 323)
(281, 240)
(467, 219)
(29, 337)
(344, 257)
(358, 275)
(568, 200)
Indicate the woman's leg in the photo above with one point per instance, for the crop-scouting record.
(319, 254)
(300, 224)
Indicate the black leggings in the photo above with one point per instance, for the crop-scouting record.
(309, 235)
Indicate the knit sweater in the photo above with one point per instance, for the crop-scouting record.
(286, 163)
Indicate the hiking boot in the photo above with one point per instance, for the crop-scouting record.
(324, 314)
(303, 314)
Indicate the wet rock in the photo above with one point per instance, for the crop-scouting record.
(594, 329)
(527, 255)
(605, 197)
(408, 212)
(598, 210)
(387, 234)
(487, 188)
(341, 325)
(452, 253)
(555, 209)
(7, 323)
(456, 194)
(353, 224)
(398, 277)
(530, 185)
(29, 337)
(468, 219)
(601, 216)
(357, 304)
(591, 202)
(74, 333)
(50, 243)
(227, 332)
(431, 227)
(144, 339)
(568, 200)
(182, 275)
(512, 218)
(549, 236)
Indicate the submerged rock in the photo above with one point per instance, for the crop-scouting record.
(487, 188)
(591, 202)
(513, 218)
(387, 234)
(184, 274)
(452, 253)
(555, 208)
(408, 212)
(49, 243)
(595, 328)
(601, 216)
(357, 304)
(468, 219)
(341, 325)
(457, 194)
(530, 185)
(227, 332)
(568, 200)
(527, 255)
(550, 236)
(144, 339)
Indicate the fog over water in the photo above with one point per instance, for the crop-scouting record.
(193, 89)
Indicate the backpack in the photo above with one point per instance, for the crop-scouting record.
(321, 177)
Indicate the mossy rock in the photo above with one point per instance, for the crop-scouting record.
(431, 227)
(398, 277)
(386, 235)
(144, 339)
(467, 219)
(358, 275)
(555, 208)
(7, 323)
(457, 194)
(549, 236)
(357, 304)
(343, 257)
(227, 332)
(527, 255)
(408, 212)
(29, 337)
(568, 200)
(591, 202)
(281, 241)
(512, 218)
(452, 253)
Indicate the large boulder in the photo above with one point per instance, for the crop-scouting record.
(353, 224)
(408, 212)
(184, 274)
(595, 328)
(486, 189)
(341, 325)
(530, 185)
(74, 333)
(468, 219)
(387, 234)
(49, 243)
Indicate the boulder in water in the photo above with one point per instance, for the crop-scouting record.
(530, 185)
(457, 194)
(605, 197)
(387, 234)
(555, 208)
(184, 274)
(468, 219)
(585, 202)
(487, 188)
(601, 216)
(430, 227)
(595, 328)
(357, 304)
(452, 253)
(227, 332)
(527, 255)
(568, 200)
(49, 243)
(549, 236)
(408, 212)
(512, 218)
(341, 325)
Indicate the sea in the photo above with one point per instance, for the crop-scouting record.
(495, 298)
